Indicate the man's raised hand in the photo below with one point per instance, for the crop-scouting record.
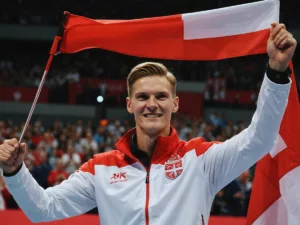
(281, 47)
(11, 155)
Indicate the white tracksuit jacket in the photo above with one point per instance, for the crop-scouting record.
(127, 194)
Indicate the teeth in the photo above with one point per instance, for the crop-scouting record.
(152, 115)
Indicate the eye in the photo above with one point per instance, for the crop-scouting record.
(142, 97)
(162, 96)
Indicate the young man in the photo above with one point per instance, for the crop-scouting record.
(152, 177)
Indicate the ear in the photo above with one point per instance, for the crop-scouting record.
(129, 105)
(175, 104)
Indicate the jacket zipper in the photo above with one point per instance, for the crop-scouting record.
(147, 181)
(147, 198)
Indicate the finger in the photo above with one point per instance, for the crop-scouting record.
(287, 36)
(11, 142)
(276, 30)
(6, 158)
(288, 42)
(13, 150)
(8, 147)
(22, 149)
(21, 154)
(281, 39)
(10, 150)
(279, 35)
(16, 149)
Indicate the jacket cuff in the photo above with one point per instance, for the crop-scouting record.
(278, 77)
(13, 173)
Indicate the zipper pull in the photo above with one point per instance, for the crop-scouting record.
(147, 178)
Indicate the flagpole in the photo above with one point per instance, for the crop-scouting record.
(54, 51)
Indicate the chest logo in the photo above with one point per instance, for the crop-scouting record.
(118, 177)
(173, 167)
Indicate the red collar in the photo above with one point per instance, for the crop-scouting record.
(165, 145)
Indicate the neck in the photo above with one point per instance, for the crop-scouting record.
(147, 142)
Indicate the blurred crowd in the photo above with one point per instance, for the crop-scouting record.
(57, 151)
(25, 67)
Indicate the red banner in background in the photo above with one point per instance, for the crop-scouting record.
(191, 103)
(22, 94)
(110, 87)
(12, 217)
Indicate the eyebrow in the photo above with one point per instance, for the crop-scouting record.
(158, 93)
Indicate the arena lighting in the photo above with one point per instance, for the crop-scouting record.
(100, 99)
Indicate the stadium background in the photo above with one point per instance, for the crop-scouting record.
(81, 110)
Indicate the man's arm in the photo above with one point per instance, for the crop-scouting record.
(225, 161)
(72, 197)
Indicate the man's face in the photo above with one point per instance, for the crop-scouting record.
(152, 103)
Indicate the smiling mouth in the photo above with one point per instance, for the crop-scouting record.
(152, 115)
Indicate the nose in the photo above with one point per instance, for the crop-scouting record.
(152, 103)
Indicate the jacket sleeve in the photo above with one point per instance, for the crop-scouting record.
(72, 197)
(225, 161)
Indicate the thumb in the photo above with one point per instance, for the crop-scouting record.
(22, 148)
(21, 154)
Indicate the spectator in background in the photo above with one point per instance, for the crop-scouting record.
(71, 160)
(99, 137)
(89, 145)
(78, 148)
(2, 131)
(49, 143)
(41, 171)
(62, 141)
(216, 119)
(29, 159)
(219, 206)
(58, 174)
(238, 194)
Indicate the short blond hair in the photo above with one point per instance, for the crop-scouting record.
(148, 69)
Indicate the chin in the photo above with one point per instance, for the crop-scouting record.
(153, 129)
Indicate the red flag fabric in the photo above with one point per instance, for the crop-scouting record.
(208, 35)
(275, 198)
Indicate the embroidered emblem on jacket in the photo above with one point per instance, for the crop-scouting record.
(173, 167)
